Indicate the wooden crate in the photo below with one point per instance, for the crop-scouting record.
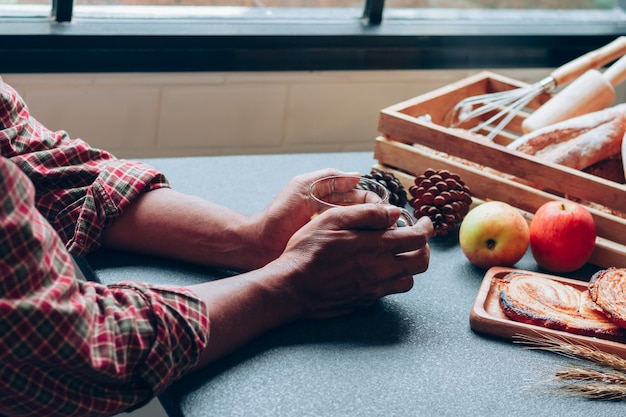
(409, 143)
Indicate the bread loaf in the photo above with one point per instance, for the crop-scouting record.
(610, 169)
(578, 142)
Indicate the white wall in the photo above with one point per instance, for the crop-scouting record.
(181, 114)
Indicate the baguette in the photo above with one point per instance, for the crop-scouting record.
(578, 142)
(610, 169)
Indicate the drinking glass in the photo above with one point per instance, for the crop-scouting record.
(347, 190)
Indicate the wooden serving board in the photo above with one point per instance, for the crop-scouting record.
(487, 317)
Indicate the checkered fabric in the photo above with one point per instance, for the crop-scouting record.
(71, 347)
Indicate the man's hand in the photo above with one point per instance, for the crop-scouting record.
(349, 257)
(344, 259)
(289, 211)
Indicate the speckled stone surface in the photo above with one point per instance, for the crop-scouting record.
(411, 354)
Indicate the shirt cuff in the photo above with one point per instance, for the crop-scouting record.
(180, 323)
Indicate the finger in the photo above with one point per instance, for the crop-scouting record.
(337, 188)
(386, 268)
(400, 285)
(394, 286)
(414, 262)
(406, 239)
(366, 216)
(425, 224)
(381, 267)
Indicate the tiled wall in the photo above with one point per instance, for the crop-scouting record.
(181, 114)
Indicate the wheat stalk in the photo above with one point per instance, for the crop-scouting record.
(564, 346)
(605, 380)
(594, 391)
(578, 373)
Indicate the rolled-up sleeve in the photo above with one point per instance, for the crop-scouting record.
(80, 190)
(72, 347)
(68, 346)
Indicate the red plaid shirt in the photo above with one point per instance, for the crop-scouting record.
(67, 346)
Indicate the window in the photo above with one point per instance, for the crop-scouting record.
(506, 4)
(262, 35)
(229, 3)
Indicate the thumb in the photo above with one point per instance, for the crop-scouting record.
(364, 216)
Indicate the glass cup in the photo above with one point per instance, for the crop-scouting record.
(347, 190)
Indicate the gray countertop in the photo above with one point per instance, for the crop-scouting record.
(411, 354)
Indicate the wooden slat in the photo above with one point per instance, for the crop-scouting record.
(409, 161)
(399, 126)
(410, 143)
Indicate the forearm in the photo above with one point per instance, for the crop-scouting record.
(244, 307)
(334, 265)
(168, 223)
(172, 224)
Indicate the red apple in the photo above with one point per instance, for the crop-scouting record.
(494, 234)
(562, 236)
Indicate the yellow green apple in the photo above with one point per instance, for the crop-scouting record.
(494, 234)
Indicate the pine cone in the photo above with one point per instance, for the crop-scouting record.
(442, 196)
(397, 193)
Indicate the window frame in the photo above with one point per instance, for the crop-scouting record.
(242, 39)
